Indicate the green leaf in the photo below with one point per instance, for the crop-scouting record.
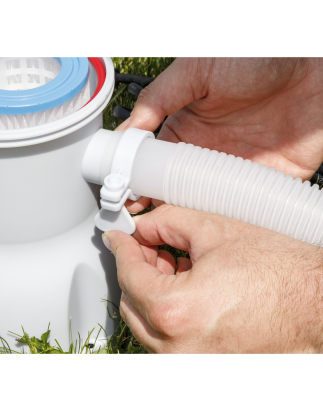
(44, 337)
(35, 340)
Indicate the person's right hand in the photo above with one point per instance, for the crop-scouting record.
(262, 109)
(245, 289)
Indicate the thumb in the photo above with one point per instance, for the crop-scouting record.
(180, 84)
(138, 279)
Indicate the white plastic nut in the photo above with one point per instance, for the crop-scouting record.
(114, 182)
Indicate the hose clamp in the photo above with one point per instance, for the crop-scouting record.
(115, 191)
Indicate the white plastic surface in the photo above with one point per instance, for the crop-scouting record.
(150, 167)
(97, 161)
(53, 263)
(43, 193)
(127, 149)
(107, 220)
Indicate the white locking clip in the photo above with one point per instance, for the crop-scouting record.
(115, 191)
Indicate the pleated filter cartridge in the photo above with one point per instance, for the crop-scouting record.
(37, 91)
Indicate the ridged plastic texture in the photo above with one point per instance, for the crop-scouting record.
(30, 73)
(43, 117)
(215, 182)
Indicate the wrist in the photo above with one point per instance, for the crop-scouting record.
(304, 304)
(290, 302)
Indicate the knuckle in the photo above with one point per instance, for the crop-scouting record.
(144, 95)
(121, 279)
(150, 97)
(166, 318)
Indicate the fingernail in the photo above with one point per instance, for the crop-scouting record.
(137, 218)
(106, 242)
(124, 125)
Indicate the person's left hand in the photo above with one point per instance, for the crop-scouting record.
(245, 289)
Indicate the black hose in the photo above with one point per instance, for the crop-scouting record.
(134, 89)
(121, 112)
(132, 78)
(317, 179)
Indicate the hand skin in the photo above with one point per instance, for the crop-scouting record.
(268, 110)
(245, 290)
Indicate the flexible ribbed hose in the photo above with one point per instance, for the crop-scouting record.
(207, 180)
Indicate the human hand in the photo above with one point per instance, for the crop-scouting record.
(246, 289)
(262, 109)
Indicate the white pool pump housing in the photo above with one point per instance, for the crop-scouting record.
(53, 264)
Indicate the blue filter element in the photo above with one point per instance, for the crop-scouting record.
(69, 82)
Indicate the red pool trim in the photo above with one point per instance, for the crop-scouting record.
(100, 72)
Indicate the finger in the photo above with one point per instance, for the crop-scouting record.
(143, 332)
(123, 125)
(189, 230)
(166, 262)
(151, 254)
(135, 207)
(139, 280)
(157, 203)
(183, 264)
(180, 84)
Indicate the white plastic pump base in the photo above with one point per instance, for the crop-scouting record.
(201, 179)
(54, 266)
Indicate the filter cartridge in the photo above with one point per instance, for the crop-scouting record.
(36, 91)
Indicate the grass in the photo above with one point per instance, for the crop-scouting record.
(122, 341)
(144, 66)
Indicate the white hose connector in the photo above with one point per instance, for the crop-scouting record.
(116, 190)
(201, 179)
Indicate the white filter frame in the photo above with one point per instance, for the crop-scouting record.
(25, 73)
